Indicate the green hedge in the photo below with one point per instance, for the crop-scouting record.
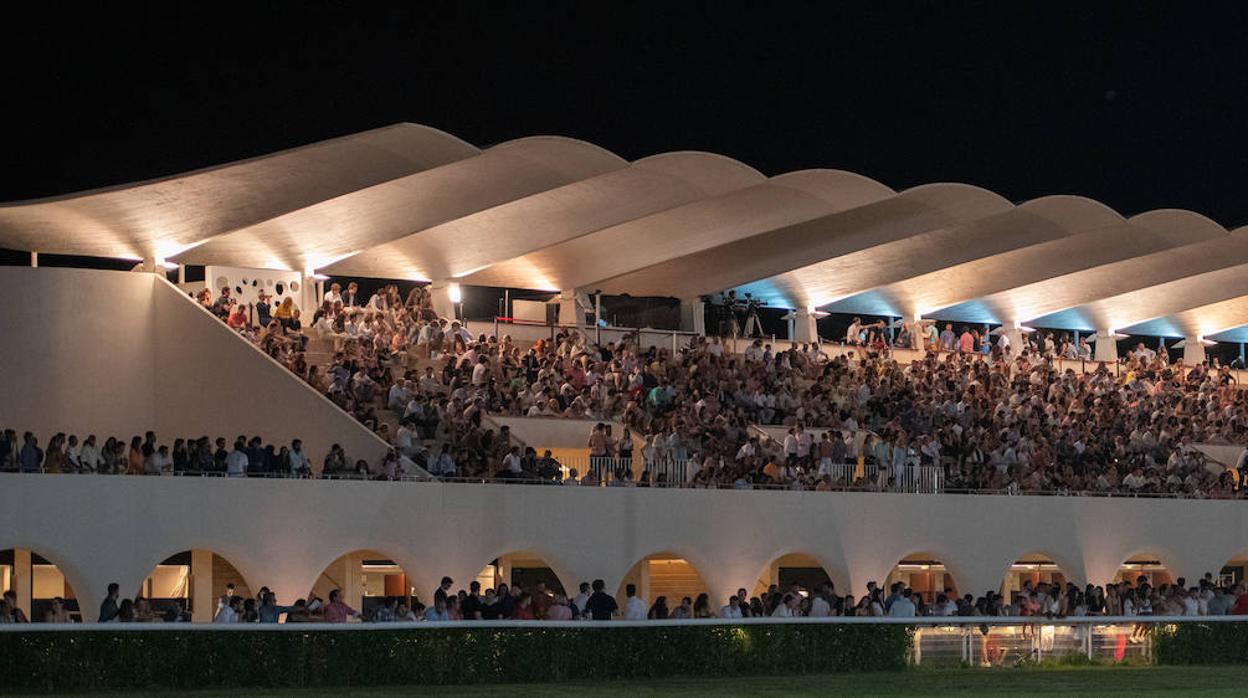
(170, 659)
(1201, 643)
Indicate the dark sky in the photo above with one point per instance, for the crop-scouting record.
(1139, 105)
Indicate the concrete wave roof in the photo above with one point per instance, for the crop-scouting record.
(412, 202)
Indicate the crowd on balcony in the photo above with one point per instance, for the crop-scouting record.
(144, 455)
(1138, 598)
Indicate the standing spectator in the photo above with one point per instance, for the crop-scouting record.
(634, 608)
(236, 462)
(108, 607)
(600, 605)
(337, 612)
(31, 457)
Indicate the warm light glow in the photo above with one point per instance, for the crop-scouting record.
(317, 277)
(168, 265)
(455, 293)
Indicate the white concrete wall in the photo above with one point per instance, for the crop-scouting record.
(118, 353)
(283, 534)
(77, 352)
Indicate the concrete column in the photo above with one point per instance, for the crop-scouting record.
(1193, 351)
(1106, 348)
(150, 266)
(442, 302)
(34, 259)
(805, 328)
(353, 580)
(693, 315)
(504, 570)
(1015, 337)
(643, 584)
(203, 602)
(916, 332)
(569, 312)
(24, 579)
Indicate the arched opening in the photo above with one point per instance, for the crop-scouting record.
(1029, 572)
(925, 575)
(793, 570)
(36, 583)
(190, 585)
(1143, 568)
(368, 580)
(522, 570)
(1235, 571)
(666, 575)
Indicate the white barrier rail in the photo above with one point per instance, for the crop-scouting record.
(917, 622)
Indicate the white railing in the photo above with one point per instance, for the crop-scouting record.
(919, 479)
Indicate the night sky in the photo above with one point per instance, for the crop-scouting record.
(1139, 105)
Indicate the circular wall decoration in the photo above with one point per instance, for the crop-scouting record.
(279, 288)
(222, 282)
(294, 287)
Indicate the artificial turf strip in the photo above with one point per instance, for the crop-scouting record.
(1085, 681)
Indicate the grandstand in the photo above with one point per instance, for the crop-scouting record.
(678, 462)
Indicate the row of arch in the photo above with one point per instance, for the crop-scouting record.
(194, 580)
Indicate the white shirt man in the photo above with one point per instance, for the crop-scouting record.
(902, 607)
(334, 294)
(403, 439)
(89, 457)
(400, 393)
(1191, 604)
(634, 608)
(511, 463)
(819, 607)
(236, 463)
(480, 374)
(732, 610)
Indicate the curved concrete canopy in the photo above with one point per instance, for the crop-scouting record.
(1000, 289)
(473, 242)
(751, 263)
(705, 225)
(869, 281)
(955, 266)
(408, 201)
(317, 235)
(1071, 301)
(1196, 305)
(161, 217)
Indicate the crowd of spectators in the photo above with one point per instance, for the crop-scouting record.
(143, 455)
(987, 415)
(1140, 598)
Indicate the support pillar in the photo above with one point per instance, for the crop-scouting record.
(34, 259)
(353, 580)
(1106, 346)
(804, 327)
(569, 312)
(917, 338)
(643, 584)
(693, 316)
(443, 302)
(1015, 337)
(203, 601)
(1193, 351)
(23, 579)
